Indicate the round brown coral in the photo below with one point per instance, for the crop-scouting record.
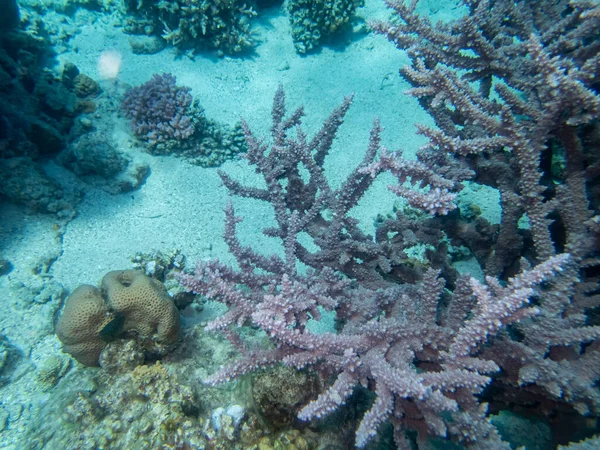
(129, 303)
(144, 303)
(83, 318)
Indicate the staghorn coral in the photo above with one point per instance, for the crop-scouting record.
(419, 355)
(129, 303)
(513, 90)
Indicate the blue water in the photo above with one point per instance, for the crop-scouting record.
(299, 225)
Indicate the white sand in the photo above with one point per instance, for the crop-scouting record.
(180, 205)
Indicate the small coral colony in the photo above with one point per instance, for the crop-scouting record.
(339, 339)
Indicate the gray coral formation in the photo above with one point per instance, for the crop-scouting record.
(211, 145)
(194, 24)
(129, 303)
(26, 183)
(152, 406)
(216, 144)
(142, 409)
(37, 112)
(312, 21)
(9, 355)
(96, 160)
(279, 393)
(46, 119)
(158, 264)
(57, 21)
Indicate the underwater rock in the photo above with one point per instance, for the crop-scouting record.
(183, 299)
(50, 290)
(235, 413)
(70, 71)
(147, 408)
(3, 419)
(523, 432)
(146, 45)
(279, 393)
(289, 440)
(121, 356)
(9, 359)
(5, 266)
(157, 264)
(93, 154)
(51, 371)
(97, 161)
(10, 14)
(26, 184)
(85, 86)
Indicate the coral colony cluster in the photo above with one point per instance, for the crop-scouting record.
(513, 90)
(159, 110)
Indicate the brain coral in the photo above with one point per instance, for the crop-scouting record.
(83, 318)
(129, 303)
(144, 303)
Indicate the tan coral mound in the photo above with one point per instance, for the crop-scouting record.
(144, 302)
(130, 303)
(83, 318)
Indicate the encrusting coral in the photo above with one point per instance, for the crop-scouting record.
(129, 303)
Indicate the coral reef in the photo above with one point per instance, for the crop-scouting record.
(419, 348)
(145, 408)
(517, 103)
(194, 24)
(51, 371)
(94, 158)
(157, 264)
(57, 22)
(129, 303)
(38, 111)
(312, 22)
(144, 303)
(26, 183)
(81, 322)
(10, 18)
(9, 355)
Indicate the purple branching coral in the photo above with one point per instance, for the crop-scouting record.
(417, 346)
(159, 110)
(513, 89)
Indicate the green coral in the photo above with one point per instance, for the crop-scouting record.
(194, 24)
(312, 21)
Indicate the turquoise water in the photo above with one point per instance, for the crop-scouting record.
(299, 225)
